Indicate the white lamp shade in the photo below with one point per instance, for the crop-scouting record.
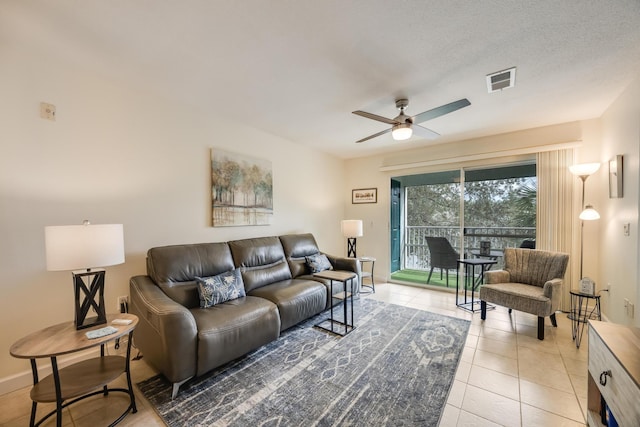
(584, 169)
(589, 214)
(401, 132)
(75, 247)
(351, 227)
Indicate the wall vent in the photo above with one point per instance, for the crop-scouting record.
(501, 80)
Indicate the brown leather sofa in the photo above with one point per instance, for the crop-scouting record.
(182, 340)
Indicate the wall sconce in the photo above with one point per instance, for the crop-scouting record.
(351, 228)
(615, 177)
(85, 247)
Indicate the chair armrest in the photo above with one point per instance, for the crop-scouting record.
(496, 276)
(552, 290)
(167, 333)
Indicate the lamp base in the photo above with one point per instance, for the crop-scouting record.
(87, 286)
(351, 247)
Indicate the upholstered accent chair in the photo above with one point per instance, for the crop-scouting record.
(531, 281)
(442, 256)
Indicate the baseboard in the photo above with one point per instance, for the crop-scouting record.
(25, 378)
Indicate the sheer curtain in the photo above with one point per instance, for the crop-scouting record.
(555, 219)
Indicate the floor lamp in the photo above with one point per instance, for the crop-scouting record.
(351, 228)
(583, 171)
(83, 248)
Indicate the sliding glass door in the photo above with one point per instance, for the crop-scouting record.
(471, 208)
(499, 210)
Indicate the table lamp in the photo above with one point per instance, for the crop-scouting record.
(84, 248)
(351, 228)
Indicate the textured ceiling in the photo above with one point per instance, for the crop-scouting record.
(298, 68)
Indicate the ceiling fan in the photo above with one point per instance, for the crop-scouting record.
(404, 126)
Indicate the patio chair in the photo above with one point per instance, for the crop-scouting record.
(442, 256)
(531, 282)
(528, 244)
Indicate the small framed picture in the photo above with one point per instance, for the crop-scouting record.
(364, 195)
(615, 177)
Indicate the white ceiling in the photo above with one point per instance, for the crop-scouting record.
(298, 68)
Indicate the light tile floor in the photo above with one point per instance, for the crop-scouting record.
(506, 376)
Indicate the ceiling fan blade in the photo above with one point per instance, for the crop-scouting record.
(375, 117)
(374, 135)
(441, 110)
(424, 132)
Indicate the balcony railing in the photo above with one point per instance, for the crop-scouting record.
(416, 251)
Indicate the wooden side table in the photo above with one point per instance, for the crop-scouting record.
(368, 274)
(80, 380)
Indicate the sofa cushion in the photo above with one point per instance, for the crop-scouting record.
(174, 268)
(296, 248)
(518, 296)
(318, 263)
(220, 288)
(229, 330)
(260, 260)
(296, 299)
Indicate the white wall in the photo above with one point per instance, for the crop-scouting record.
(619, 254)
(117, 155)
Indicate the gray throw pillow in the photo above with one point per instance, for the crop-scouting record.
(318, 263)
(214, 290)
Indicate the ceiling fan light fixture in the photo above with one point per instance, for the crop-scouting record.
(402, 132)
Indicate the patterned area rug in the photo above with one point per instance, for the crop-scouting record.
(395, 369)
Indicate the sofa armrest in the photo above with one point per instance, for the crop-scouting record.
(552, 290)
(346, 264)
(167, 333)
(496, 276)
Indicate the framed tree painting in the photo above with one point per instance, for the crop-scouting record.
(241, 189)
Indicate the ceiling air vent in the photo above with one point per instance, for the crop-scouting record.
(501, 80)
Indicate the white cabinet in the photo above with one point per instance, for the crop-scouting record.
(614, 373)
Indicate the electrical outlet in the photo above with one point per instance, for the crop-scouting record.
(123, 304)
(627, 229)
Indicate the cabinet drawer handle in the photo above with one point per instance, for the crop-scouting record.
(603, 377)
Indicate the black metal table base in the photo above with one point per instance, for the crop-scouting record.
(371, 290)
(340, 328)
(471, 283)
(474, 306)
(334, 325)
(581, 313)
